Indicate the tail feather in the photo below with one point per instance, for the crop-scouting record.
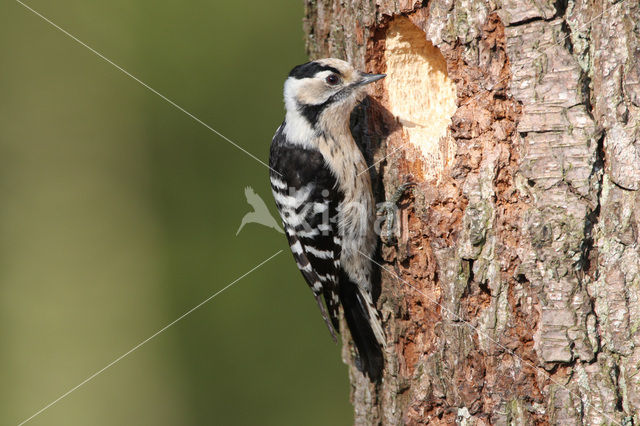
(365, 328)
(374, 317)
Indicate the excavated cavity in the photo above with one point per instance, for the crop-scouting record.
(420, 93)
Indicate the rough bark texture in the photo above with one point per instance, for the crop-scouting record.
(513, 295)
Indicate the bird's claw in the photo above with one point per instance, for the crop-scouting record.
(388, 209)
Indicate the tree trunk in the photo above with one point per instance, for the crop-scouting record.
(513, 294)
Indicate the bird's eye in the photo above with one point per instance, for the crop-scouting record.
(333, 79)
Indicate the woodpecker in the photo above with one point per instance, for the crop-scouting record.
(321, 185)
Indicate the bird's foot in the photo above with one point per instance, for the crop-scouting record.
(389, 209)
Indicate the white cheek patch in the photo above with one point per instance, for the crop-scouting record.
(315, 91)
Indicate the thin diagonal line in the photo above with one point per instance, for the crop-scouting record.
(558, 43)
(91, 377)
(142, 83)
(509, 351)
(381, 160)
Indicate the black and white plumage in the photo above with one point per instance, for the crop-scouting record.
(322, 189)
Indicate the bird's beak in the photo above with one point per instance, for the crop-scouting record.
(369, 78)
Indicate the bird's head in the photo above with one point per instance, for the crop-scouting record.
(325, 87)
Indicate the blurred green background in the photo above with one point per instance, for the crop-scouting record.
(118, 213)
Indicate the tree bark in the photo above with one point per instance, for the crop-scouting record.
(513, 294)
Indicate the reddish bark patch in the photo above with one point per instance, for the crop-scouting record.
(485, 122)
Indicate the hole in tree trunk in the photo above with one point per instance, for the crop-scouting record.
(421, 95)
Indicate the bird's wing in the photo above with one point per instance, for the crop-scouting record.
(309, 219)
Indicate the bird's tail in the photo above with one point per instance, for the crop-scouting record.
(365, 327)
